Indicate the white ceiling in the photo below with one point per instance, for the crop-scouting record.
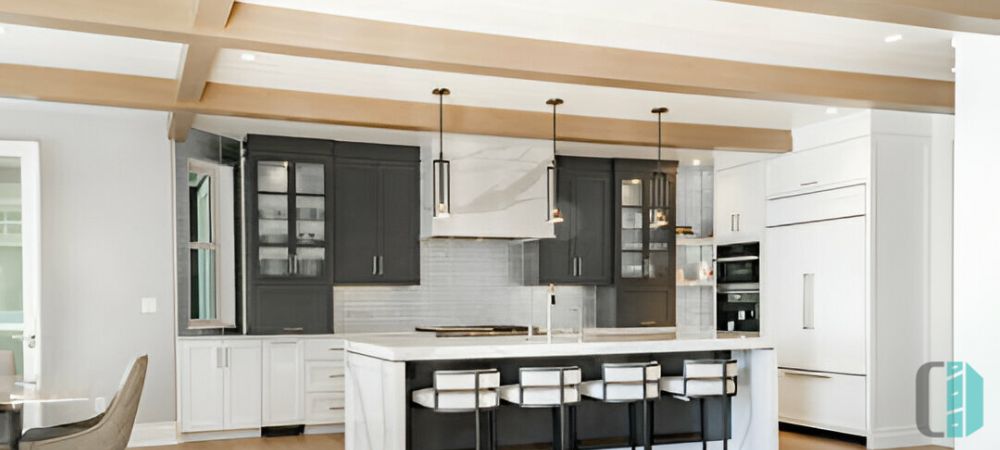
(365, 80)
(690, 27)
(85, 51)
(695, 27)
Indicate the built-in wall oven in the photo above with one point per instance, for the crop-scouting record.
(738, 279)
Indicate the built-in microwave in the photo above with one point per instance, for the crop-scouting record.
(738, 264)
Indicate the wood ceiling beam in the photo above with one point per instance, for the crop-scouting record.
(196, 63)
(307, 34)
(95, 88)
(973, 16)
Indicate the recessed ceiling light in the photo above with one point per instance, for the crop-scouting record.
(831, 110)
(248, 57)
(894, 38)
(696, 162)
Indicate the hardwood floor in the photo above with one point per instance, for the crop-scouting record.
(789, 441)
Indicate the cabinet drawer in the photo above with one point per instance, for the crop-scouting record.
(324, 349)
(815, 206)
(822, 400)
(325, 408)
(808, 170)
(324, 376)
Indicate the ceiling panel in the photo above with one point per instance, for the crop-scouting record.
(689, 27)
(84, 51)
(397, 83)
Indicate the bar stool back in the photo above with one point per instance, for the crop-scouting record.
(633, 383)
(706, 378)
(546, 387)
(462, 391)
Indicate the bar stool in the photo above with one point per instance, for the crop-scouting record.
(706, 378)
(462, 391)
(632, 383)
(546, 387)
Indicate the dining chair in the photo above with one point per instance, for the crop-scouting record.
(108, 431)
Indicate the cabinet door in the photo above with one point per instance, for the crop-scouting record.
(555, 256)
(592, 222)
(739, 203)
(645, 307)
(816, 285)
(399, 199)
(243, 384)
(310, 230)
(202, 386)
(283, 383)
(286, 308)
(356, 222)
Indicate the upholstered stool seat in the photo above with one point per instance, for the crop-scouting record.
(632, 383)
(706, 379)
(547, 387)
(462, 391)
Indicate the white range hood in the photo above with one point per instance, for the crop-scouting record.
(498, 187)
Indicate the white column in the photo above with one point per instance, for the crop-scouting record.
(977, 223)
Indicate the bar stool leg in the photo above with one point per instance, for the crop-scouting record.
(704, 435)
(631, 425)
(646, 443)
(493, 431)
(572, 428)
(556, 436)
(479, 438)
(725, 427)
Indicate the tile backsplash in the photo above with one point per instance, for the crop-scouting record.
(463, 282)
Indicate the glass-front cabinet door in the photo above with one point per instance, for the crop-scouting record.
(647, 232)
(291, 218)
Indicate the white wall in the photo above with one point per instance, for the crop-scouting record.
(977, 163)
(106, 243)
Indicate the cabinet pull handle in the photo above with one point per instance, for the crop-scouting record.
(738, 217)
(291, 264)
(807, 374)
(334, 408)
(579, 266)
(335, 376)
(374, 265)
(809, 183)
(381, 265)
(647, 323)
(218, 357)
(808, 301)
(732, 222)
(293, 329)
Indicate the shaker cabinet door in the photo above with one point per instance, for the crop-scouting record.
(291, 309)
(592, 222)
(243, 384)
(202, 386)
(284, 389)
(399, 223)
(356, 222)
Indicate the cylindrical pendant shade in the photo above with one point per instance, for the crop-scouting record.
(659, 200)
(552, 212)
(442, 188)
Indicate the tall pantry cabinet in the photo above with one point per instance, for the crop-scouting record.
(845, 273)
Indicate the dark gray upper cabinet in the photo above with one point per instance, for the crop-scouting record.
(377, 225)
(290, 234)
(582, 251)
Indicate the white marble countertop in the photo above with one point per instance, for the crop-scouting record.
(417, 346)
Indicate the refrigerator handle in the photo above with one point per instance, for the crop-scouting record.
(808, 301)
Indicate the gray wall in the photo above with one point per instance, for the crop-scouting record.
(106, 243)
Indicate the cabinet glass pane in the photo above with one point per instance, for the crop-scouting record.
(659, 238)
(632, 265)
(310, 220)
(659, 264)
(632, 228)
(632, 192)
(272, 176)
(203, 289)
(272, 218)
(274, 261)
(309, 178)
(310, 261)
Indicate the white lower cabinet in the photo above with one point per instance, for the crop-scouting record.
(829, 401)
(247, 383)
(220, 385)
(283, 382)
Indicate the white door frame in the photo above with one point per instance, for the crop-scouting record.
(31, 236)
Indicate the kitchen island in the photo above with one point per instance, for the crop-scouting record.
(383, 369)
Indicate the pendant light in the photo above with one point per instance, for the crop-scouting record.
(441, 166)
(659, 186)
(552, 212)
